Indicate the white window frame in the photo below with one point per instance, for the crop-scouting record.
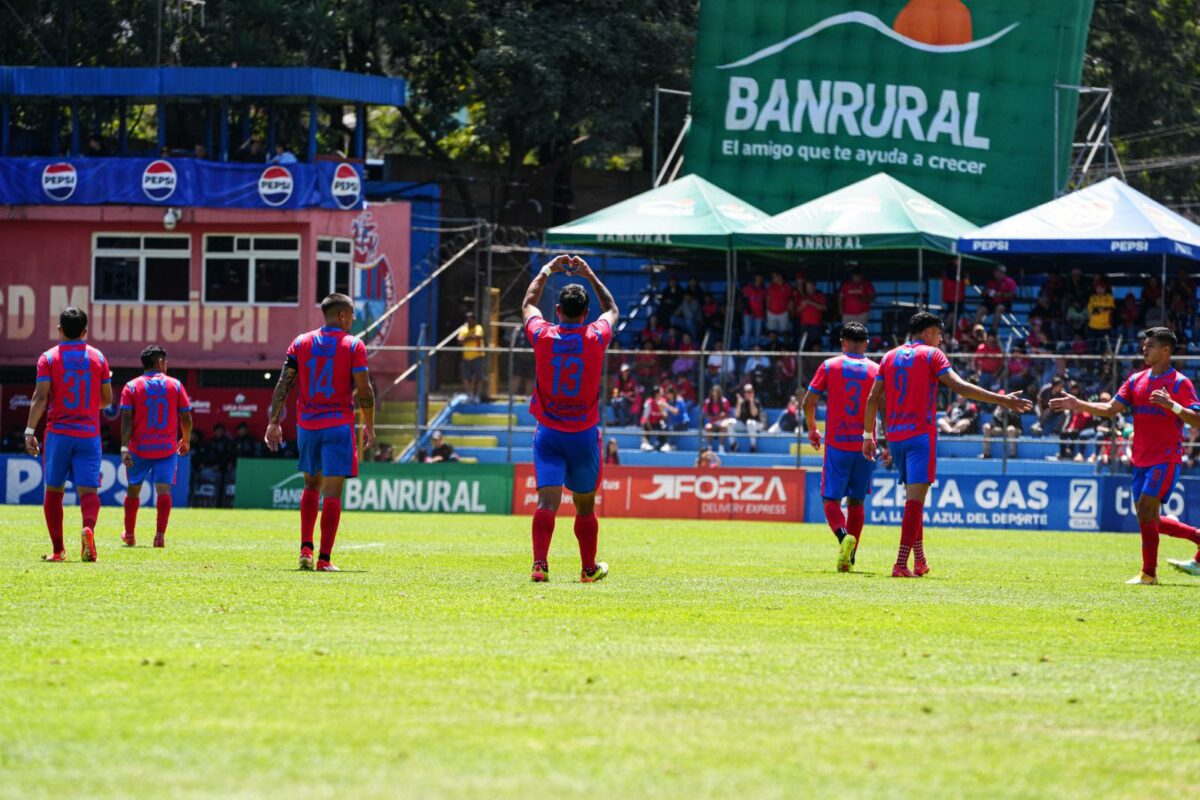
(252, 256)
(334, 258)
(141, 254)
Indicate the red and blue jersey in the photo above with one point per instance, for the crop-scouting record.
(325, 361)
(75, 371)
(569, 360)
(1157, 432)
(155, 400)
(844, 381)
(910, 379)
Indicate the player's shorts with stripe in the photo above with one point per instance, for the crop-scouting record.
(72, 458)
(567, 459)
(158, 470)
(1158, 480)
(846, 473)
(916, 459)
(332, 451)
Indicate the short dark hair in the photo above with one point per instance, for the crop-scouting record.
(923, 321)
(152, 354)
(854, 332)
(73, 322)
(335, 303)
(1163, 336)
(573, 301)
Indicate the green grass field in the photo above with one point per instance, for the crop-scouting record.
(720, 659)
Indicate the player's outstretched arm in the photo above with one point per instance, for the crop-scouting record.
(810, 416)
(1069, 402)
(608, 305)
(533, 295)
(869, 417)
(126, 435)
(1163, 399)
(366, 403)
(287, 379)
(1013, 402)
(37, 407)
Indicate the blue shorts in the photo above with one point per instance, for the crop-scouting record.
(72, 458)
(846, 473)
(567, 459)
(332, 452)
(916, 459)
(1158, 480)
(158, 470)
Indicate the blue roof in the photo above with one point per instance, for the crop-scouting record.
(1106, 219)
(187, 83)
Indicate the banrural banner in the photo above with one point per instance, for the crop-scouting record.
(792, 100)
(436, 488)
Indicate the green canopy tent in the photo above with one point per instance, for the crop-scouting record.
(876, 213)
(687, 214)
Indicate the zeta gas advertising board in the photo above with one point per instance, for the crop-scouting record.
(792, 100)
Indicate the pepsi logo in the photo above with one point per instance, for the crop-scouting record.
(59, 181)
(275, 185)
(346, 187)
(159, 180)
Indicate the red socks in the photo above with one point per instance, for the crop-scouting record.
(543, 532)
(834, 516)
(89, 505)
(331, 515)
(1149, 548)
(53, 509)
(1173, 527)
(164, 513)
(856, 516)
(310, 504)
(910, 531)
(587, 530)
(131, 509)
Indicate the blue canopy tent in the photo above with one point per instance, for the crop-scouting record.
(1105, 220)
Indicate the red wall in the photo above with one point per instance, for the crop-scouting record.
(45, 264)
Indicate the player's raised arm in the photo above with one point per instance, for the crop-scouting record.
(870, 415)
(37, 407)
(287, 379)
(608, 305)
(533, 295)
(1013, 402)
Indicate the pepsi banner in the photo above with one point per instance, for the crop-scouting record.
(24, 484)
(179, 182)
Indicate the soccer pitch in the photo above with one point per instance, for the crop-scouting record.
(719, 659)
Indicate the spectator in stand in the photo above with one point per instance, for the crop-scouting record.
(244, 445)
(717, 414)
(1052, 290)
(1047, 312)
(655, 332)
(1130, 316)
(786, 370)
(94, 148)
(670, 298)
(384, 453)
(810, 305)
(1152, 292)
(1022, 378)
(199, 151)
(856, 296)
(646, 366)
(612, 454)
(721, 369)
(1076, 318)
(1080, 427)
(282, 155)
(677, 417)
(14, 442)
(222, 457)
(755, 317)
(250, 151)
(474, 362)
(1077, 288)
(684, 363)
(954, 290)
(779, 305)
(440, 450)
(654, 420)
(998, 295)
(626, 397)
(989, 361)
(961, 418)
(757, 366)
(1100, 316)
(686, 389)
(1005, 424)
(707, 459)
(689, 315)
(714, 317)
(1191, 447)
(789, 419)
(748, 417)
(1050, 422)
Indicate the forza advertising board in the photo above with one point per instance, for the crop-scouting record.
(436, 488)
(793, 100)
(683, 493)
(23, 482)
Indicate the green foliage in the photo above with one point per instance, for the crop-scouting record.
(719, 659)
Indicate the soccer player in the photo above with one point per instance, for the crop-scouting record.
(907, 383)
(153, 408)
(1161, 401)
(845, 382)
(569, 358)
(331, 367)
(73, 384)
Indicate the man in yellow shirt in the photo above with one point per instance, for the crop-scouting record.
(1100, 313)
(470, 337)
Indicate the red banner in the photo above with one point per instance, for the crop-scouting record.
(684, 493)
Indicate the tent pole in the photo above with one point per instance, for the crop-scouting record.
(957, 283)
(921, 277)
(731, 271)
(1162, 294)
